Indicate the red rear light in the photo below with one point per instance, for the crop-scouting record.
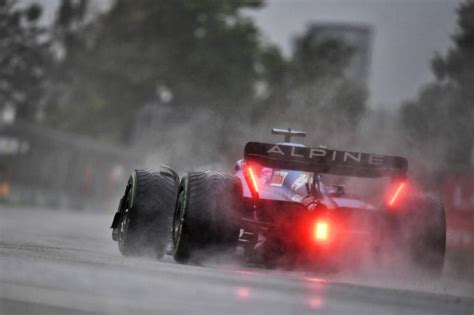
(397, 192)
(250, 177)
(253, 179)
(321, 231)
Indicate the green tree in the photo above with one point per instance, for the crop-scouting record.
(202, 53)
(75, 101)
(316, 92)
(24, 59)
(442, 117)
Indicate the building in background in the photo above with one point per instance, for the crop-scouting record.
(359, 36)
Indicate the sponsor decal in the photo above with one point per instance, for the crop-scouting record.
(278, 178)
(343, 156)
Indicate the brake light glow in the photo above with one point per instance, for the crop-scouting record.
(321, 231)
(251, 179)
(396, 194)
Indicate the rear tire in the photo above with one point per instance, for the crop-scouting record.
(207, 215)
(423, 229)
(146, 214)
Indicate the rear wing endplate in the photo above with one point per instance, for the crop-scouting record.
(322, 160)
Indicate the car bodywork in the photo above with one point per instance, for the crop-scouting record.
(290, 209)
(286, 204)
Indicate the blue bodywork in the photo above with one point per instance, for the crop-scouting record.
(294, 188)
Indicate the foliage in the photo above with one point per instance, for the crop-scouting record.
(441, 119)
(317, 94)
(202, 53)
(198, 63)
(24, 59)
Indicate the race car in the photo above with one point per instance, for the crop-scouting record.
(286, 204)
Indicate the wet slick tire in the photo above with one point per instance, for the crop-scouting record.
(419, 231)
(207, 214)
(428, 238)
(146, 214)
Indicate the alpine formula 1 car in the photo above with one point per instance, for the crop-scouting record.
(285, 204)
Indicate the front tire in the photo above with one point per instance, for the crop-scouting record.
(146, 213)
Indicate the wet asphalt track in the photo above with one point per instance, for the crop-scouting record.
(59, 262)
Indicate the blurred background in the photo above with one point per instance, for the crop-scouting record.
(91, 89)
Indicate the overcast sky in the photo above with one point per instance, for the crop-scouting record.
(407, 33)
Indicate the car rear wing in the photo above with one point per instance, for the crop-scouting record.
(323, 160)
(288, 133)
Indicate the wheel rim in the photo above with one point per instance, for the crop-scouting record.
(125, 217)
(178, 220)
(123, 228)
